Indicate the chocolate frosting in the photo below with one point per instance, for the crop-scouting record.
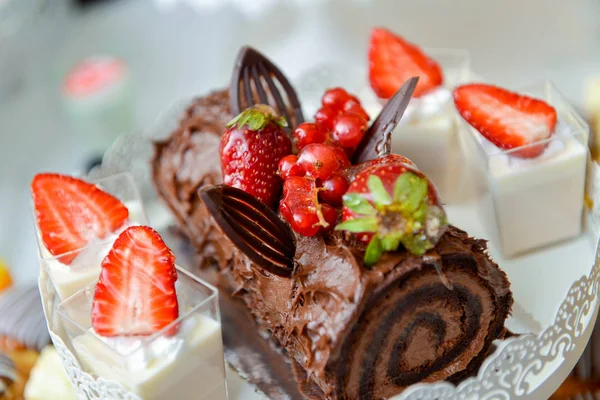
(189, 160)
(353, 332)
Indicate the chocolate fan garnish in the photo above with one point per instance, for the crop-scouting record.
(377, 142)
(256, 80)
(253, 227)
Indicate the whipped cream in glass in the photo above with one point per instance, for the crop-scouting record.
(85, 267)
(536, 201)
(187, 364)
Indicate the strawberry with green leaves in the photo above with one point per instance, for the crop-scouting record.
(251, 147)
(391, 204)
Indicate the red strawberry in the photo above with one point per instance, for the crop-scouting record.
(507, 119)
(392, 204)
(251, 147)
(71, 212)
(393, 60)
(135, 295)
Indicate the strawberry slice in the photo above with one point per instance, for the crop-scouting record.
(393, 60)
(507, 119)
(135, 295)
(71, 212)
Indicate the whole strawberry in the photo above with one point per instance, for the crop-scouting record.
(391, 204)
(251, 147)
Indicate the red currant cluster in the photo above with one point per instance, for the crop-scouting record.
(315, 179)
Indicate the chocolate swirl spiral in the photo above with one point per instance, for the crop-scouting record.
(416, 329)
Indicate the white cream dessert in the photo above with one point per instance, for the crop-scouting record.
(85, 267)
(187, 366)
(428, 135)
(428, 131)
(537, 189)
(48, 379)
(153, 328)
(76, 225)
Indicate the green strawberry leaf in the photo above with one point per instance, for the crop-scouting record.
(417, 195)
(373, 252)
(358, 204)
(416, 244)
(380, 195)
(257, 117)
(390, 242)
(402, 187)
(358, 225)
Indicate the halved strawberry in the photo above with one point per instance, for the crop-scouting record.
(507, 119)
(393, 60)
(71, 212)
(135, 295)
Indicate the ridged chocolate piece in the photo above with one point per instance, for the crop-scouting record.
(256, 80)
(377, 141)
(253, 227)
(22, 317)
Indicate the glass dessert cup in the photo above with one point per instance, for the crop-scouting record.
(85, 267)
(428, 132)
(182, 361)
(538, 201)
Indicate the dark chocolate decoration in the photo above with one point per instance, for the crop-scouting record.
(253, 227)
(377, 141)
(256, 80)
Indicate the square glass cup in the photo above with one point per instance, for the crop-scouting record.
(184, 360)
(72, 271)
(428, 133)
(536, 201)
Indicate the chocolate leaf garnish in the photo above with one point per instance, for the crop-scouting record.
(256, 80)
(253, 227)
(377, 142)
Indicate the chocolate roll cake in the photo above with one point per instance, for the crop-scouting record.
(425, 308)
(189, 160)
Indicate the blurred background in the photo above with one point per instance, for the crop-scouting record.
(58, 114)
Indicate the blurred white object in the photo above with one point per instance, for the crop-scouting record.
(48, 379)
(250, 8)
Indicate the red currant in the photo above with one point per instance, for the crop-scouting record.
(325, 116)
(288, 167)
(353, 106)
(333, 190)
(348, 130)
(299, 206)
(330, 215)
(335, 98)
(307, 133)
(320, 161)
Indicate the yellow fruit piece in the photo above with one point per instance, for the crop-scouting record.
(5, 278)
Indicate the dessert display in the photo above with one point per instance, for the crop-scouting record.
(146, 324)
(428, 133)
(532, 150)
(77, 222)
(48, 379)
(339, 248)
(23, 334)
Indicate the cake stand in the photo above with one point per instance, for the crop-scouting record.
(555, 291)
